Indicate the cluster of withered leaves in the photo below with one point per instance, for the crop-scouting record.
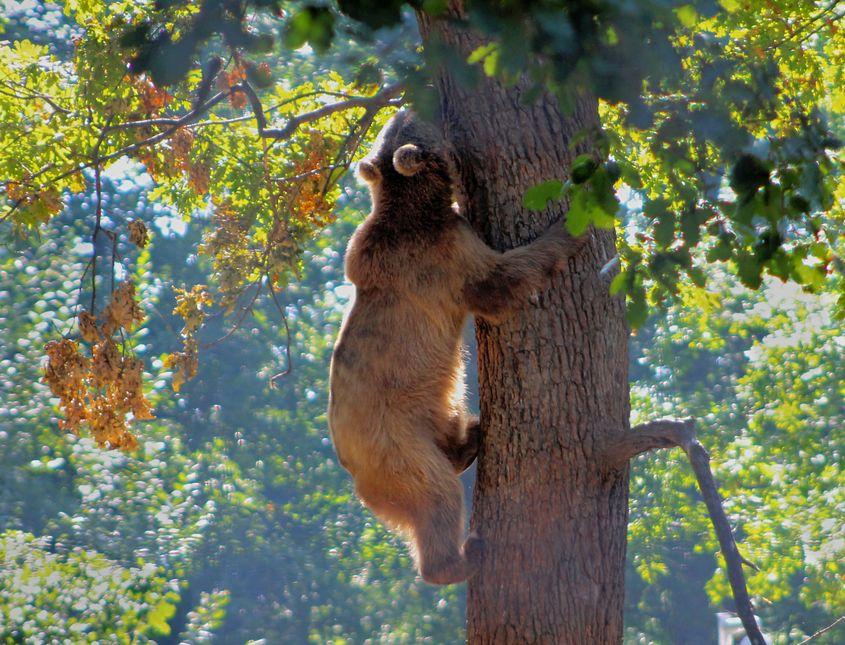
(138, 233)
(227, 79)
(246, 245)
(102, 389)
(159, 163)
(301, 203)
(164, 164)
(151, 103)
(153, 99)
(191, 306)
(229, 246)
(304, 196)
(197, 171)
(41, 204)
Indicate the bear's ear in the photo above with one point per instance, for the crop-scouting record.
(408, 159)
(368, 171)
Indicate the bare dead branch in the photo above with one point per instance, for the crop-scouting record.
(663, 433)
(98, 188)
(173, 122)
(748, 563)
(669, 433)
(833, 625)
(272, 108)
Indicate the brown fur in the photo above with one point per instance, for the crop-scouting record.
(396, 410)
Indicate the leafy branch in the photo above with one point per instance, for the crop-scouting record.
(389, 96)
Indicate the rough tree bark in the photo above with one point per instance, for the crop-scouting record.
(553, 384)
(551, 494)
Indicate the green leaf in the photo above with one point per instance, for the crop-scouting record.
(313, 25)
(488, 55)
(697, 275)
(583, 168)
(537, 197)
(491, 63)
(687, 16)
(480, 53)
(578, 216)
(749, 270)
(619, 284)
(637, 312)
(664, 221)
(435, 7)
(720, 252)
(748, 174)
(158, 617)
(604, 197)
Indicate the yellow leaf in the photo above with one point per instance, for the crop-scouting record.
(687, 15)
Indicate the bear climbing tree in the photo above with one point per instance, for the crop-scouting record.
(397, 410)
(683, 86)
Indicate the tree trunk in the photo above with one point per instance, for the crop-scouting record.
(553, 383)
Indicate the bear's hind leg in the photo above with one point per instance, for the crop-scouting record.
(437, 530)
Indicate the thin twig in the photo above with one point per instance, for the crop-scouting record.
(347, 150)
(113, 237)
(241, 316)
(237, 119)
(668, 433)
(98, 188)
(283, 313)
(309, 173)
(823, 631)
(797, 30)
(748, 563)
(380, 99)
(33, 94)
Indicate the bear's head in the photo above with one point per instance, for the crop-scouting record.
(408, 162)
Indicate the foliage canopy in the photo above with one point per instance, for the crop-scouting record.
(719, 129)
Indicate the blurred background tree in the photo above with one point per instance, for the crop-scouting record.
(232, 520)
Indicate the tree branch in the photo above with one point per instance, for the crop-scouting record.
(283, 314)
(32, 94)
(663, 433)
(669, 433)
(823, 631)
(175, 124)
(387, 96)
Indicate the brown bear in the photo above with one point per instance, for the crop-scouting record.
(397, 415)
